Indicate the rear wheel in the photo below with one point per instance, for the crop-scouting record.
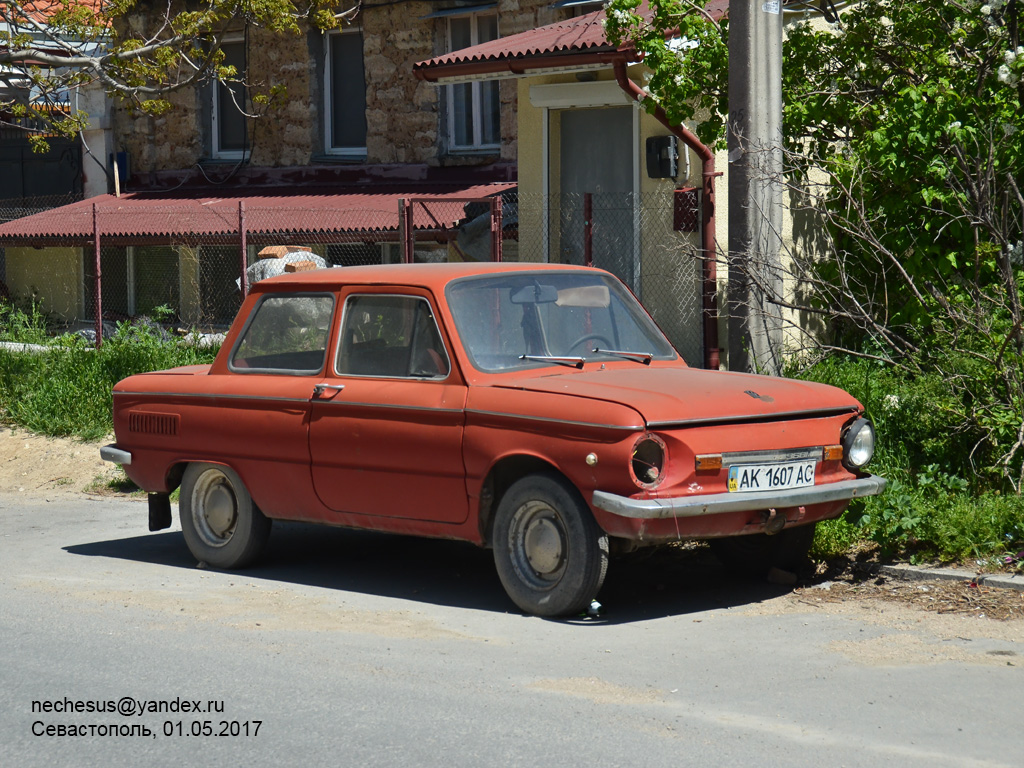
(549, 552)
(221, 524)
(757, 553)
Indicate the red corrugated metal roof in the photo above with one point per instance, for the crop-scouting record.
(567, 42)
(152, 216)
(583, 33)
(43, 10)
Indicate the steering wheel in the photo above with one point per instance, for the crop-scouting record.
(588, 336)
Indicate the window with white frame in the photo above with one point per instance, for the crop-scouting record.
(345, 111)
(474, 109)
(228, 129)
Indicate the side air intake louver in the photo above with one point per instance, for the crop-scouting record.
(154, 423)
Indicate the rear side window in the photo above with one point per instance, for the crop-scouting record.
(285, 334)
(391, 336)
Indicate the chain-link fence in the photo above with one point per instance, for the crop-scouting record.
(183, 265)
(641, 239)
(19, 207)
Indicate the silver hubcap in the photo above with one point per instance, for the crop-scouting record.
(214, 508)
(543, 546)
(538, 544)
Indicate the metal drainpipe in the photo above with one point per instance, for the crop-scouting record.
(709, 287)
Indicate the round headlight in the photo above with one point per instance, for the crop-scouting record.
(858, 444)
(648, 463)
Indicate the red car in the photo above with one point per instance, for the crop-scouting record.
(535, 409)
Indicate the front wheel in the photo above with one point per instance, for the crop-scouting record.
(757, 553)
(221, 524)
(549, 552)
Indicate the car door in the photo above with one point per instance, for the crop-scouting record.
(255, 415)
(386, 428)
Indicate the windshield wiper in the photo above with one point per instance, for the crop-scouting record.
(572, 362)
(640, 357)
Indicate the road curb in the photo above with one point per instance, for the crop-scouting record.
(919, 573)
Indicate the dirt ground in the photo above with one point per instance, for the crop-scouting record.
(53, 468)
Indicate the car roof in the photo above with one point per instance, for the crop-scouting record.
(434, 276)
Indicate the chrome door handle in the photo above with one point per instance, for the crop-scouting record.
(319, 389)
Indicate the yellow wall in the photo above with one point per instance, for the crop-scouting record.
(53, 276)
(531, 169)
(670, 266)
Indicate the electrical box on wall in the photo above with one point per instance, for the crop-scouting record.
(662, 157)
(686, 210)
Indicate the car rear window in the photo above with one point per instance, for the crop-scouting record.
(285, 334)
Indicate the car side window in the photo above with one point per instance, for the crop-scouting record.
(286, 334)
(391, 336)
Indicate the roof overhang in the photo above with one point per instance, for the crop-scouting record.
(527, 67)
(367, 213)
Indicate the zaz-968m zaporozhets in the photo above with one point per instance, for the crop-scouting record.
(533, 409)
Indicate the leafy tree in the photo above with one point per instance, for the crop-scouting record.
(136, 50)
(905, 153)
(686, 50)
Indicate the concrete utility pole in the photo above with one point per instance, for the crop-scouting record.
(755, 183)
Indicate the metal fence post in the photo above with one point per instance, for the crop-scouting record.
(496, 228)
(98, 298)
(244, 255)
(588, 229)
(405, 230)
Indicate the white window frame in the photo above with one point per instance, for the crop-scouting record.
(215, 107)
(476, 98)
(329, 148)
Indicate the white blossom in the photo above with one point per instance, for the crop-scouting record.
(1009, 57)
(955, 125)
(1006, 76)
(1016, 253)
(986, 10)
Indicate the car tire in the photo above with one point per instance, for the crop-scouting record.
(757, 553)
(549, 552)
(222, 526)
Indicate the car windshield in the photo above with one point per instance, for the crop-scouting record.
(532, 319)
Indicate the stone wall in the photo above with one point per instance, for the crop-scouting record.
(403, 113)
(282, 135)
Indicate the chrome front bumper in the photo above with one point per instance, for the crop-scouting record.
(695, 506)
(116, 455)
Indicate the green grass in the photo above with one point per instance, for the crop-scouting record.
(65, 391)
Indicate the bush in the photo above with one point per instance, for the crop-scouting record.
(941, 502)
(66, 390)
(23, 326)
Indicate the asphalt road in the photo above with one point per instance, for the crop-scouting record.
(354, 649)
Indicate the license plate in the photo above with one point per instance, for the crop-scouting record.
(745, 478)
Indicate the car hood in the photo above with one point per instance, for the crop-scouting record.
(667, 396)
